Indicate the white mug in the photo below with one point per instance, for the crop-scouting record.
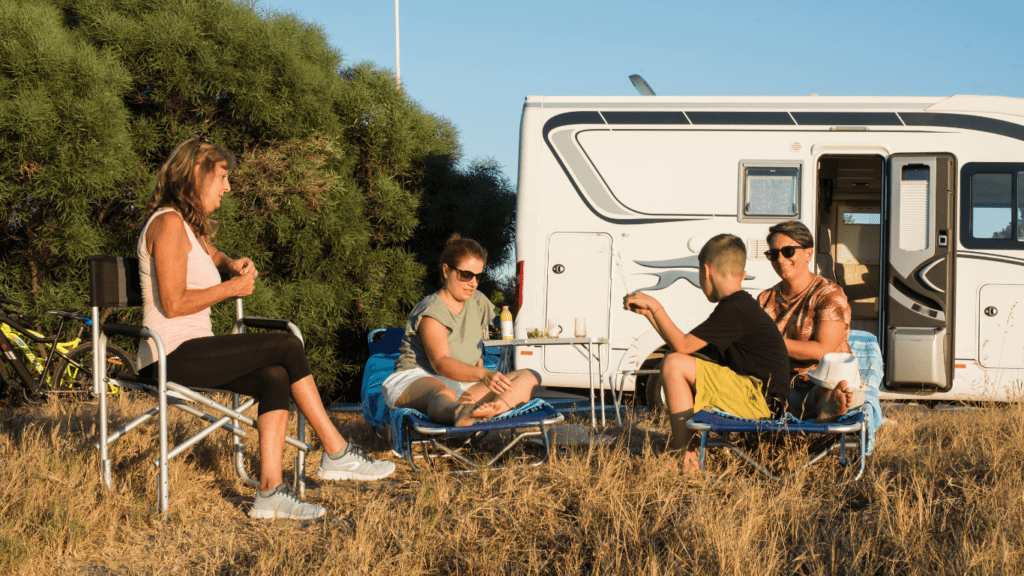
(554, 329)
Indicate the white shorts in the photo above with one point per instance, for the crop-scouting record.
(395, 385)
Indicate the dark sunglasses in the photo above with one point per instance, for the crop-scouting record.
(466, 275)
(787, 251)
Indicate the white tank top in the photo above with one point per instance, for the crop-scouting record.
(201, 273)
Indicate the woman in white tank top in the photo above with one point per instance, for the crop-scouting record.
(180, 271)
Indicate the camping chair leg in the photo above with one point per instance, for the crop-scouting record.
(237, 448)
(300, 458)
(842, 451)
(705, 443)
(519, 436)
(164, 487)
(547, 444)
(841, 445)
(99, 351)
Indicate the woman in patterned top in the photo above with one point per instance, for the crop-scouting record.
(812, 314)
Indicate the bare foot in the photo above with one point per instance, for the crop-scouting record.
(467, 414)
(490, 410)
(835, 403)
(690, 462)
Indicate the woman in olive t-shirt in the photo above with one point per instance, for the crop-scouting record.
(440, 367)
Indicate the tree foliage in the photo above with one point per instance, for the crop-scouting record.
(346, 187)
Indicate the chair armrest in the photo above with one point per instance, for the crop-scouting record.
(266, 323)
(129, 330)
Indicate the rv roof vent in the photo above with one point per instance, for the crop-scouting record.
(795, 146)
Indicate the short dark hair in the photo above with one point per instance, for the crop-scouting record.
(725, 253)
(794, 229)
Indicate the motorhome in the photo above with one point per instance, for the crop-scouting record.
(917, 206)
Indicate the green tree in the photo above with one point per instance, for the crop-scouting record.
(336, 164)
(478, 202)
(65, 149)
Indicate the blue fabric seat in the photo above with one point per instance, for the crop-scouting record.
(410, 428)
(855, 431)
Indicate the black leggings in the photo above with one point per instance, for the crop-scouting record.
(262, 365)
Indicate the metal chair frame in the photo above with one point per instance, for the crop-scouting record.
(114, 282)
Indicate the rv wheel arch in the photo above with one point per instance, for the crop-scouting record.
(652, 393)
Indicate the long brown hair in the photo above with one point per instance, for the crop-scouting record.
(178, 187)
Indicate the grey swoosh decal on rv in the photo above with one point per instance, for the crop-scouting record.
(665, 279)
(990, 258)
(685, 262)
(598, 198)
(922, 276)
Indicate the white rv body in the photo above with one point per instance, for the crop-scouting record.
(907, 198)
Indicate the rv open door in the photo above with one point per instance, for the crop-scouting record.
(918, 289)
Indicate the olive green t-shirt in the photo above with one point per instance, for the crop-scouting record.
(466, 331)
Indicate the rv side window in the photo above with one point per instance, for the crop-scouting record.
(770, 192)
(992, 208)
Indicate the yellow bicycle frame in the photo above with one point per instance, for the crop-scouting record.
(33, 360)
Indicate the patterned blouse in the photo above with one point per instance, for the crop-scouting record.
(798, 318)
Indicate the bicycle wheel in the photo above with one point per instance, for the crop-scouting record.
(75, 372)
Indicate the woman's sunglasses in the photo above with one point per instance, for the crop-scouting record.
(466, 276)
(787, 251)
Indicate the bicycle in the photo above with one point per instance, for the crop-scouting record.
(58, 367)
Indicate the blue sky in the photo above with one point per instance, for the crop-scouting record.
(473, 62)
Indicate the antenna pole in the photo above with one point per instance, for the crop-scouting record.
(398, 68)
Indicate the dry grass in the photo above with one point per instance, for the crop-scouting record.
(943, 495)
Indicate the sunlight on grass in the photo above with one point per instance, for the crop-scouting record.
(942, 495)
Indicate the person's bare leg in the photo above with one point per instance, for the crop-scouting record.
(525, 385)
(678, 377)
(430, 396)
(835, 403)
(271, 427)
(307, 398)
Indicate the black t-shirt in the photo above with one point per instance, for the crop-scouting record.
(741, 336)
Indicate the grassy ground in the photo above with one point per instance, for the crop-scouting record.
(944, 494)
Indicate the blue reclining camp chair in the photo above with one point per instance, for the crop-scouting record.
(854, 432)
(410, 428)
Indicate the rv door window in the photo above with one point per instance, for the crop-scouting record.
(992, 205)
(771, 192)
(862, 218)
(1020, 206)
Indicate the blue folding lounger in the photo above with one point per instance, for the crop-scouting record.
(855, 431)
(410, 428)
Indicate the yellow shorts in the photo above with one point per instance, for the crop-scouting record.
(720, 387)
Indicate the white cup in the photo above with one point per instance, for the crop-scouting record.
(581, 327)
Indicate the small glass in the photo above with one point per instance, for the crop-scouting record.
(554, 329)
(581, 328)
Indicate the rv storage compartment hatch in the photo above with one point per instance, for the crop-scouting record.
(916, 357)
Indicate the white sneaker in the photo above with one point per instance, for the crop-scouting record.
(354, 464)
(283, 503)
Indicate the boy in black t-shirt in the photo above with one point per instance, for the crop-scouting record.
(749, 375)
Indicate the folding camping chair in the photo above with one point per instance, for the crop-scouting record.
(410, 428)
(853, 432)
(114, 283)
